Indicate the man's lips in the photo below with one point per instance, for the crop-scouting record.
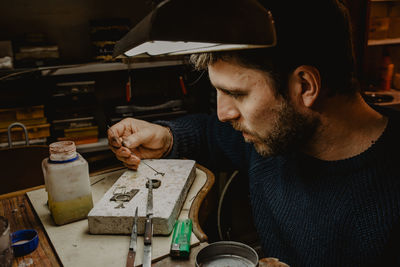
(247, 136)
(250, 138)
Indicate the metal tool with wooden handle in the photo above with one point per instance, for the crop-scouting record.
(130, 262)
(148, 227)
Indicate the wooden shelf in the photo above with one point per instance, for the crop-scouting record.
(90, 68)
(103, 67)
(384, 42)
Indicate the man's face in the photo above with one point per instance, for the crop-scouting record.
(246, 99)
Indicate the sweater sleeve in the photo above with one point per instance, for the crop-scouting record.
(208, 141)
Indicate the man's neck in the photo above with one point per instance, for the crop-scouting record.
(349, 127)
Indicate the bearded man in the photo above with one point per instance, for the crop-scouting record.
(324, 178)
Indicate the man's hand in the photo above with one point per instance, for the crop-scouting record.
(132, 140)
(271, 262)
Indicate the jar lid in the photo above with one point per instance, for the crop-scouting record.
(4, 233)
(62, 150)
(24, 241)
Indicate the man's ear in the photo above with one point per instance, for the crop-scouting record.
(308, 86)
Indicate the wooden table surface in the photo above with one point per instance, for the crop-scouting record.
(17, 208)
(21, 215)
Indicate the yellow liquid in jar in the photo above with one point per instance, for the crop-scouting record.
(70, 210)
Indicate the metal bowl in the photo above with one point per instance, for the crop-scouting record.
(227, 253)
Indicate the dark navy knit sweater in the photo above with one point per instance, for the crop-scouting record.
(310, 212)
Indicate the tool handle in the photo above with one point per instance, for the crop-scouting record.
(148, 231)
(131, 259)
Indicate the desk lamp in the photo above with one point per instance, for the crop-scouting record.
(177, 27)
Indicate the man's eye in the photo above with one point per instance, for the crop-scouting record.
(236, 95)
(233, 94)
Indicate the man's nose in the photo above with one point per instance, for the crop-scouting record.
(226, 108)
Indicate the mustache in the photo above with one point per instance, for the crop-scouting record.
(238, 127)
(254, 137)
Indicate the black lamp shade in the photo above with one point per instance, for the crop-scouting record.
(244, 23)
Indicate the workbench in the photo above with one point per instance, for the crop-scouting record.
(18, 209)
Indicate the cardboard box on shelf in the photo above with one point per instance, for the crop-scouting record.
(17, 133)
(82, 132)
(5, 124)
(379, 9)
(378, 28)
(394, 9)
(394, 28)
(22, 113)
(32, 117)
(81, 135)
(80, 140)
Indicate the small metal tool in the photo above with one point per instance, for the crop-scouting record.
(148, 227)
(130, 262)
(156, 172)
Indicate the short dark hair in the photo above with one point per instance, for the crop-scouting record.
(309, 32)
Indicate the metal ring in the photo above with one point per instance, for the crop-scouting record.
(155, 182)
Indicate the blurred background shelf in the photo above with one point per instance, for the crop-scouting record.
(105, 67)
(101, 145)
(384, 41)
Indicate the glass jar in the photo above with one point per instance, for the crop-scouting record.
(6, 252)
(66, 176)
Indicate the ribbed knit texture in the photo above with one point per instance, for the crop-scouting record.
(310, 212)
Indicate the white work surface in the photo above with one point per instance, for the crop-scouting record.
(76, 247)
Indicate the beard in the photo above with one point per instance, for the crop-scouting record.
(290, 131)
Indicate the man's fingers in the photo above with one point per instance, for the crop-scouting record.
(114, 149)
(132, 167)
(133, 141)
(127, 158)
(123, 152)
(133, 160)
(119, 130)
(113, 139)
(271, 262)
